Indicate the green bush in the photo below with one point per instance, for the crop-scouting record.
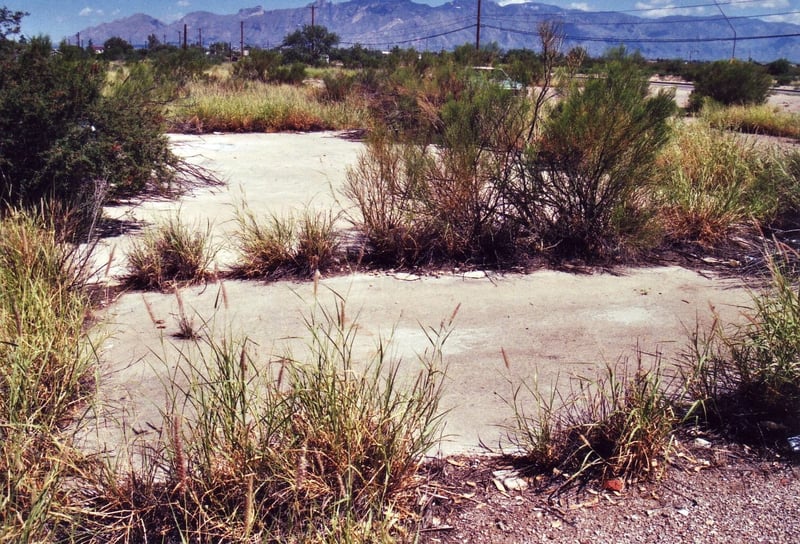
(66, 138)
(731, 82)
(418, 205)
(597, 150)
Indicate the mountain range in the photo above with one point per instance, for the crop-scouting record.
(385, 24)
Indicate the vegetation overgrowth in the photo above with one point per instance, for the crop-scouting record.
(47, 367)
(325, 446)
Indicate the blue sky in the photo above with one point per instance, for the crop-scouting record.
(60, 18)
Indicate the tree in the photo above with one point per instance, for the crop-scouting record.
(10, 22)
(116, 48)
(309, 44)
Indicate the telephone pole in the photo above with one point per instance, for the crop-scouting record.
(313, 11)
(478, 29)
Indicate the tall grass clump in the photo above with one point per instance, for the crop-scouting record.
(170, 253)
(754, 119)
(713, 182)
(745, 378)
(46, 375)
(320, 448)
(272, 247)
(616, 425)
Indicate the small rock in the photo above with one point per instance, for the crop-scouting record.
(702, 443)
(614, 484)
(515, 483)
(475, 275)
(683, 511)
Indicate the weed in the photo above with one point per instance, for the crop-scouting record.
(277, 246)
(322, 448)
(617, 425)
(714, 182)
(170, 253)
(746, 378)
(755, 119)
(45, 375)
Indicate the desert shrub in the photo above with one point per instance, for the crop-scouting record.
(419, 205)
(619, 424)
(175, 67)
(745, 378)
(273, 247)
(337, 86)
(382, 186)
(65, 138)
(596, 151)
(170, 253)
(257, 65)
(324, 447)
(713, 183)
(732, 83)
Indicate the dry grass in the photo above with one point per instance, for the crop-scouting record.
(273, 247)
(46, 364)
(760, 119)
(170, 253)
(712, 182)
(321, 448)
(231, 106)
(618, 424)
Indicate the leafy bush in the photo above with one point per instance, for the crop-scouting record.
(170, 253)
(731, 83)
(596, 150)
(64, 138)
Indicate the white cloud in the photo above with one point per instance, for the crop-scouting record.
(88, 12)
(184, 3)
(767, 4)
(583, 6)
(663, 8)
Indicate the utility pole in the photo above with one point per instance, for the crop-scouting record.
(313, 10)
(733, 54)
(200, 36)
(478, 29)
(241, 38)
(185, 45)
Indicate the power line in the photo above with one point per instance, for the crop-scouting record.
(654, 22)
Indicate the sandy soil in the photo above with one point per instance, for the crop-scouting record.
(549, 323)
